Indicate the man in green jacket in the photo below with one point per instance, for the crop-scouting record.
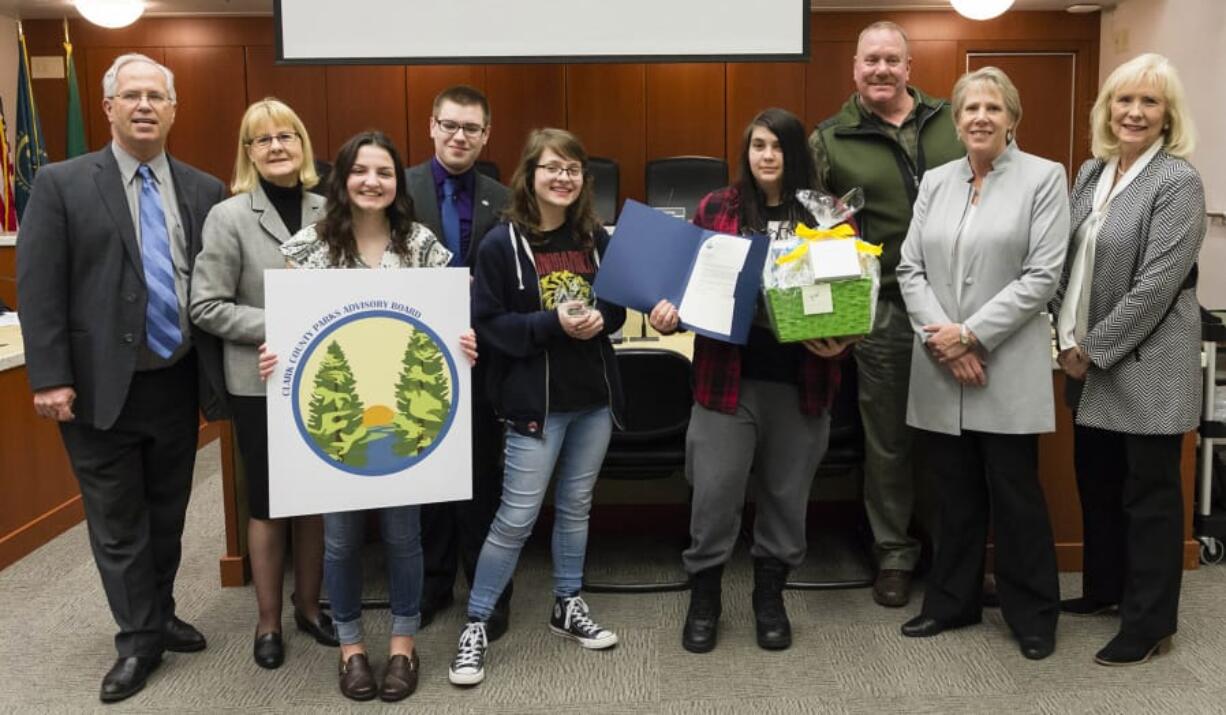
(882, 140)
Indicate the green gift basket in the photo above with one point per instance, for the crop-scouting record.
(852, 304)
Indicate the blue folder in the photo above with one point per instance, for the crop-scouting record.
(651, 256)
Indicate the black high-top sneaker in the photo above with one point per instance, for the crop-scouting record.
(468, 666)
(571, 619)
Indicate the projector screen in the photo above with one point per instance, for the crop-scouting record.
(502, 31)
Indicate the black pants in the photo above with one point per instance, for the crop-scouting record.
(452, 533)
(982, 477)
(1132, 516)
(135, 481)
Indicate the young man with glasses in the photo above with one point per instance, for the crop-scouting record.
(459, 204)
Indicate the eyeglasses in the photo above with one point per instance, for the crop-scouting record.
(472, 130)
(574, 171)
(155, 99)
(264, 143)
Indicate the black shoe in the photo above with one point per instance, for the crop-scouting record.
(925, 626)
(1132, 650)
(322, 629)
(701, 630)
(127, 677)
(269, 651)
(892, 588)
(1036, 647)
(430, 607)
(180, 636)
(1082, 606)
(770, 617)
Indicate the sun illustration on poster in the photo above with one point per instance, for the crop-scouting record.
(376, 393)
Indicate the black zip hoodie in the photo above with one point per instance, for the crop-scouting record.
(515, 331)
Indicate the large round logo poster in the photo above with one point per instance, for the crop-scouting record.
(369, 404)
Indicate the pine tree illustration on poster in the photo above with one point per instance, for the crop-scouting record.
(336, 412)
(423, 395)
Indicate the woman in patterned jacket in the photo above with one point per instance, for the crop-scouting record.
(1129, 331)
(368, 224)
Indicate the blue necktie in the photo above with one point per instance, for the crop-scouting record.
(451, 221)
(162, 333)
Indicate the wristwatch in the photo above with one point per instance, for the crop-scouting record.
(964, 335)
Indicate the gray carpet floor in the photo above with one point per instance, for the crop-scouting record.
(848, 656)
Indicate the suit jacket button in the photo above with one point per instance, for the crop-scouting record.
(970, 281)
(129, 297)
(129, 338)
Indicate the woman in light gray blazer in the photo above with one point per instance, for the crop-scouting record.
(1129, 332)
(979, 264)
(242, 237)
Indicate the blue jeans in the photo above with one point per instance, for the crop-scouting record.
(344, 534)
(574, 443)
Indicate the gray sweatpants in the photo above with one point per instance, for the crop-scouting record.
(770, 438)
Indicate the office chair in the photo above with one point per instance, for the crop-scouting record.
(604, 173)
(682, 181)
(488, 168)
(651, 445)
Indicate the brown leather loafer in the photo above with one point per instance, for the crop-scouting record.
(357, 679)
(892, 588)
(400, 678)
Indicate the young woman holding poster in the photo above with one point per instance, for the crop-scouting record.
(553, 380)
(369, 224)
(761, 408)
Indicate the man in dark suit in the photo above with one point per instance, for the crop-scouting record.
(103, 271)
(459, 205)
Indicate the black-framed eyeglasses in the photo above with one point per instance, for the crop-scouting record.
(574, 171)
(264, 142)
(472, 130)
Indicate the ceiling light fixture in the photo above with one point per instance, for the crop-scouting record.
(981, 9)
(110, 13)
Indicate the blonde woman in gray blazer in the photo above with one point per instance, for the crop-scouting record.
(1129, 332)
(979, 264)
(242, 237)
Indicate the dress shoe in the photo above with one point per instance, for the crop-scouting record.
(926, 626)
(774, 630)
(1132, 650)
(182, 637)
(400, 679)
(1082, 606)
(269, 651)
(357, 680)
(127, 677)
(321, 629)
(701, 630)
(892, 588)
(1036, 647)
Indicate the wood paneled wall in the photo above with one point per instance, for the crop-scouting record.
(629, 112)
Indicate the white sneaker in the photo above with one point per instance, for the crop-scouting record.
(570, 620)
(468, 666)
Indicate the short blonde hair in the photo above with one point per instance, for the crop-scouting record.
(1179, 136)
(995, 77)
(273, 111)
(886, 26)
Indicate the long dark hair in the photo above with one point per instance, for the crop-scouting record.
(799, 171)
(522, 209)
(336, 227)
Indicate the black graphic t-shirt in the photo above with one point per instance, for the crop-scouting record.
(764, 357)
(576, 367)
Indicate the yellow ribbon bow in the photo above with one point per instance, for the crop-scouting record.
(843, 230)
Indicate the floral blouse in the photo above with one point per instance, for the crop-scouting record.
(307, 250)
